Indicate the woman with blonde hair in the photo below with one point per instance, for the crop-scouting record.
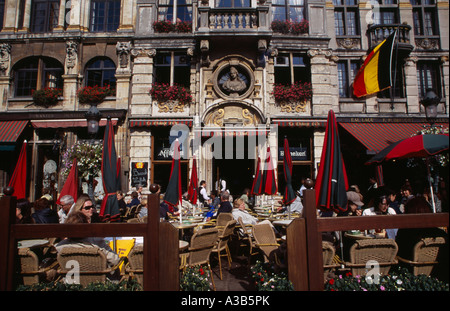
(85, 205)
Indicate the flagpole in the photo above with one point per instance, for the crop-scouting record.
(392, 91)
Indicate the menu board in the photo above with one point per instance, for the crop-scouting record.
(139, 174)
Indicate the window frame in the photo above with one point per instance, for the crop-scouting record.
(38, 67)
(106, 25)
(434, 68)
(102, 68)
(173, 64)
(345, 9)
(421, 8)
(293, 75)
(350, 75)
(174, 7)
(288, 9)
(50, 18)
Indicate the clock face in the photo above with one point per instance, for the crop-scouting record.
(50, 167)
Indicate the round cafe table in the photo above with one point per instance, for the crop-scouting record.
(282, 222)
(183, 245)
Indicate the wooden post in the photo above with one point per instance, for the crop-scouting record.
(314, 242)
(7, 217)
(151, 242)
(297, 254)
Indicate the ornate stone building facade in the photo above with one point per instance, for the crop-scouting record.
(230, 55)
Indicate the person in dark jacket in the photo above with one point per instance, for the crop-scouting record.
(43, 214)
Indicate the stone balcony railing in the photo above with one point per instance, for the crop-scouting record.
(224, 20)
(377, 33)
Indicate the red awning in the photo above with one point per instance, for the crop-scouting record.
(377, 136)
(66, 123)
(11, 130)
(146, 123)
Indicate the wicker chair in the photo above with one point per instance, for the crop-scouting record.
(245, 233)
(222, 220)
(425, 253)
(222, 244)
(266, 241)
(92, 263)
(202, 243)
(383, 251)
(29, 271)
(328, 252)
(135, 266)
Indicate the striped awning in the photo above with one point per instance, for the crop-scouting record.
(377, 136)
(66, 123)
(11, 130)
(160, 122)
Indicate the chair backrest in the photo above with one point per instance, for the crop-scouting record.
(265, 238)
(136, 262)
(91, 262)
(223, 219)
(425, 254)
(202, 243)
(383, 251)
(225, 234)
(328, 252)
(29, 266)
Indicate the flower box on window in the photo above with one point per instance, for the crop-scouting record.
(288, 27)
(293, 98)
(46, 97)
(93, 94)
(168, 26)
(170, 97)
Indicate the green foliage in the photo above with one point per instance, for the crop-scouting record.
(125, 285)
(266, 280)
(399, 279)
(195, 278)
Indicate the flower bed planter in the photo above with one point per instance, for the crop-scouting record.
(93, 94)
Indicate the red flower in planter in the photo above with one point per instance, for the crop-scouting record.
(94, 95)
(46, 97)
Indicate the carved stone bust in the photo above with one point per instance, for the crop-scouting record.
(233, 80)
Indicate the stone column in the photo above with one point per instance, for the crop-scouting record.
(123, 75)
(142, 80)
(71, 77)
(5, 67)
(10, 19)
(412, 89)
(126, 15)
(325, 93)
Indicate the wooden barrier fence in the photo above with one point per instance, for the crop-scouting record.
(161, 251)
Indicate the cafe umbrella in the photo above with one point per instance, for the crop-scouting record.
(71, 185)
(109, 210)
(418, 146)
(193, 185)
(173, 195)
(19, 176)
(331, 183)
(257, 180)
(269, 183)
(289, 195)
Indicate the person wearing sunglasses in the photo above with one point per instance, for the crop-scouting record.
(85, 205)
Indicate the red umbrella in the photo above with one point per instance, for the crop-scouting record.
(71, 185)
(289, 194)
(256, 186)
(269, 183)
(19, 177)
(419, 146)
(173, 195)
(331, 183)
(111, 183)
(193, 184)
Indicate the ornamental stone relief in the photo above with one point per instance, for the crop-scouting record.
(233, 79)
(232, 114)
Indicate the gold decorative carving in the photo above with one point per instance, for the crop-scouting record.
(218, 117)
(170, 106)
(293, 107)
(248, 117)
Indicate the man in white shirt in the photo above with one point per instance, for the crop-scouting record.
(204, 198)
(239, 211)
(67, 202)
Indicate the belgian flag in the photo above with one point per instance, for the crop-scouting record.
(376, 73)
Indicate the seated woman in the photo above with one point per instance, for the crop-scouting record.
(381, 207)
(85, 205)
(80, 218)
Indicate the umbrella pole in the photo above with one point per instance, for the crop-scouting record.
(342, 248)
(181, 212)
(431, 185)
(289, 211)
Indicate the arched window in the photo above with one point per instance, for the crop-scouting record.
(101, 72)
(35, 73)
